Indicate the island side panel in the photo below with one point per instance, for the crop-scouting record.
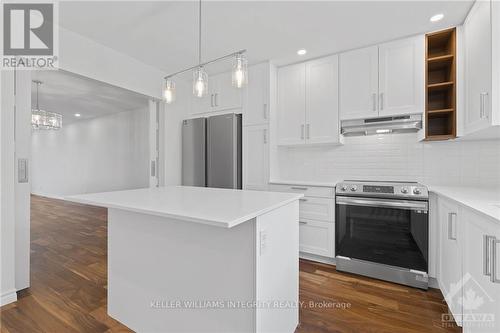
(153, 261)
(277, 264)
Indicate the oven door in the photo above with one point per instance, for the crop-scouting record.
(385, 231)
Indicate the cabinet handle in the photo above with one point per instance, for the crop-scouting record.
(302, 131)
(493, 276)
(265, 136)
(299, 188)
(301, 222)
(212, 100)
(374, 101)
(486, 255)
(265, 111)
(482, 105)
(303, 199)
(215, 99)
(381, 101)
(308, 130)
(451, 218)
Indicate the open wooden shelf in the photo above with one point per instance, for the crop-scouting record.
(440, 77)
(440, 85)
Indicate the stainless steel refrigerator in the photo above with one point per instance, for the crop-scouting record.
(211, 151)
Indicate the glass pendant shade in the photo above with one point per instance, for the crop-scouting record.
(169, 92)
(200, 82)
(240, 72)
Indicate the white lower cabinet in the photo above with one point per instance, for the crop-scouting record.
(317, 237)
(469, 266)
(450, 254)
(317, 220)
(481, 280)
(321, 209)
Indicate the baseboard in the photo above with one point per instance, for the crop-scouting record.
(8, 297)
(48, 195)
(314, 257)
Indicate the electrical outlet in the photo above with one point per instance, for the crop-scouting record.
(263, 241)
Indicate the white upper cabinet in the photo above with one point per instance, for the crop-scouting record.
(308, 102)
(221, 95)
(322, 114)
(291, 104)
(383, 80)
(478, 67)
(359, 83)
(226, 96)
(257, 98)
(255, 157)
(401, 76)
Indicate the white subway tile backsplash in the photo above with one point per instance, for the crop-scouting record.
(395, 157)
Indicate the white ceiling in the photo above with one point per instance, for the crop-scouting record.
(67, 93)
(163, 33)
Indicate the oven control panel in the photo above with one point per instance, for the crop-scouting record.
(383, 189)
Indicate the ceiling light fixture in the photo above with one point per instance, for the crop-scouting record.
(78, 115)
(437, 17)
(41, 119)
(200, 76)
(301, 52)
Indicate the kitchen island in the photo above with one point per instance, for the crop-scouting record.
(192, 259)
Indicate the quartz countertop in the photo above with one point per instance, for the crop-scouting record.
(483, 200)
(303, 183)
(219, 207)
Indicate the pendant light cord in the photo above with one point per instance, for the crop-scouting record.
(199, 33)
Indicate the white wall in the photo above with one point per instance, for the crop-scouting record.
(7, 186)
(394, 157)
(101, 154)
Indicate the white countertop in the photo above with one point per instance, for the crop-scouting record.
(219, 207)
(303, 183)
(485, 201)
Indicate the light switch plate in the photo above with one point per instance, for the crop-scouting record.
(22, 170)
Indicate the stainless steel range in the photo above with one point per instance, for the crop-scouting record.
(382, 230)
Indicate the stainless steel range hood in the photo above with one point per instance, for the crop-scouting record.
(383, 125)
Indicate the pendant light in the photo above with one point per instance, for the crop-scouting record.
(200, 76)
(169, 92)
(240, 73)
(41, 119)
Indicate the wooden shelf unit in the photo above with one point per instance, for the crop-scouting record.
(440, 81)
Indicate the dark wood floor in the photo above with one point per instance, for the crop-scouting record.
(68, 286)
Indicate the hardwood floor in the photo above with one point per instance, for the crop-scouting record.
(68, 285)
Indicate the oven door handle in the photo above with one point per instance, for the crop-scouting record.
(402, 204)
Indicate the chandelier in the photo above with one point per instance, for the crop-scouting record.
(41, 119)
(200, 77)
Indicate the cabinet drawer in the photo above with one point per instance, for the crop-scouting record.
(310, 191)
(319, 209)
(317, 238)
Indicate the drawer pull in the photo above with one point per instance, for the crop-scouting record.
(303, 199)
(299, 188)
(300, 222)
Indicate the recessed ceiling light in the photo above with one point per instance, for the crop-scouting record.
(301, 51)
(437, 17)
(77, 115)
